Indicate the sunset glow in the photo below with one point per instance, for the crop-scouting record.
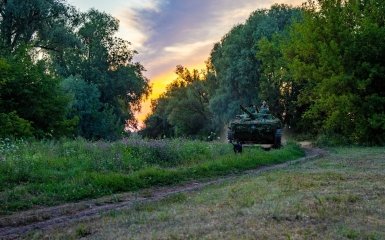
(158, 85)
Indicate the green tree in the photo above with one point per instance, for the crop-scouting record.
(94, 120)
(276, 84)
(156, 123)
(335, 54)
(14, 126)
(107, 62)
(183, 109)
(188, 106)
(40, 23)
(32, 97)
(56, 39)
(237, 70)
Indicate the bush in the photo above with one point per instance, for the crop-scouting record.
(14, 126)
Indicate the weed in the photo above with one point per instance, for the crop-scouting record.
(175, 198)
(83, 231)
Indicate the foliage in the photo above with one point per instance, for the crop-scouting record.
(12, 125)
(156, 124)
(32, 98)
(237, 70)
(95, 121)
(183, 109)
(106, 62)
(276, 85)
(48, 41)
(47, 172)
(334, 54)
(41, 23)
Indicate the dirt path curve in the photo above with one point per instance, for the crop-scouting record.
(19, 224)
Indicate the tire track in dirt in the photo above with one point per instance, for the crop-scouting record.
(17, 225)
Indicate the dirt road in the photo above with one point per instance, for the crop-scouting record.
(17, 225)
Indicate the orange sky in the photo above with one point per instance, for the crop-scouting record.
(158, 84)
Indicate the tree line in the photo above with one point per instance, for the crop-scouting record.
(319, 66)
(64, 73)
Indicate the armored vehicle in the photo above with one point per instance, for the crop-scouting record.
(255, 127)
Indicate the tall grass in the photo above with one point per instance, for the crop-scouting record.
(52, 172)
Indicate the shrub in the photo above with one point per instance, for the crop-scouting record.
(15, 126)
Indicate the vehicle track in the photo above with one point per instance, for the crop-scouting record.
(19, 224)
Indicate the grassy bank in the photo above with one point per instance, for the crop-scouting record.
(44, 173)
(341, 196)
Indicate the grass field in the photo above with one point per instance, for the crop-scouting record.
(341, 196)
(45, 173)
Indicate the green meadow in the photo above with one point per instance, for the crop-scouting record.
(46, 173)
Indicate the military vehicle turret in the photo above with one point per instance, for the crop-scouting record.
(255, 127)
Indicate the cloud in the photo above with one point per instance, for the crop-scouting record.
(171, 32)
(184, 50)
(180, 31)
(135, 26)
(144, 4)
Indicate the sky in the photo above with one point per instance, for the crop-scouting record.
(167, 33)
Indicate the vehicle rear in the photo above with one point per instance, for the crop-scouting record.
(258, 127)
